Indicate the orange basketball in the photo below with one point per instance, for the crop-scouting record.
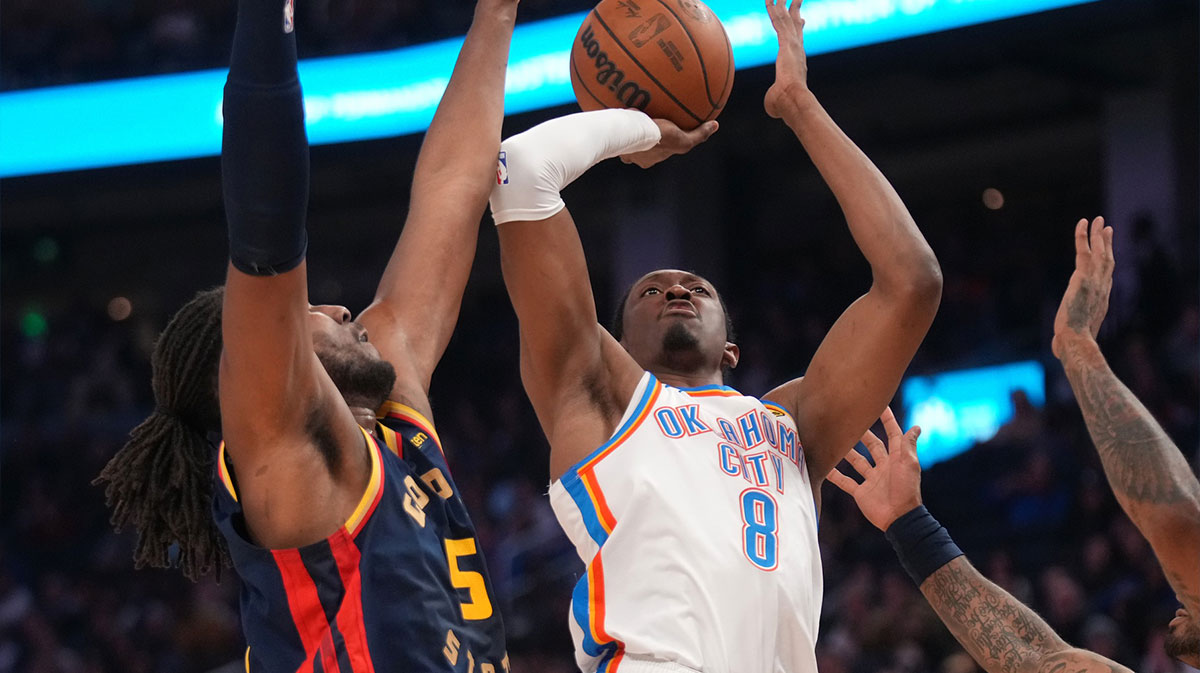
(668, 58)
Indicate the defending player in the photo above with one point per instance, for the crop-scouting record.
(692, 505)
(353, 546)
(1148, 473)
(997, 630)
(1152, 482)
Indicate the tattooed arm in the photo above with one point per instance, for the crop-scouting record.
(997, 630)
(1148, 474)
(1000, 632)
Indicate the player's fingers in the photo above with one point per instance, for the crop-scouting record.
(910, 441)
(1081, 237)
(702, 132)
(890, 426)
(1109, 255)
(859, 463)
(874, 446)
(794, 9)
(1096, 238)
(839, 479)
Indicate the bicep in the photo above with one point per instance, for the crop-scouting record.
(420, 293)
(855, 373)
(1176, 543)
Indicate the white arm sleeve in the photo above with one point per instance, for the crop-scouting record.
(535, 165)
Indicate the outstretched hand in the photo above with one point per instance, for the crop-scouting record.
(791, 65)
(674, 141)
(892, 487)
(1086, 300)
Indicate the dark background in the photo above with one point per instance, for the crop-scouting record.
(1072, 113)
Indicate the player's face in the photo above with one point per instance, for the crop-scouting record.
(352, 362)
(1183, 638)
(674, 319)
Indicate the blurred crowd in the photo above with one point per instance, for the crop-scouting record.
(85, 40)
(1031, 506)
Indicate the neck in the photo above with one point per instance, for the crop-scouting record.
(680, 379)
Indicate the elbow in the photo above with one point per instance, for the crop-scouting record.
(918, 285)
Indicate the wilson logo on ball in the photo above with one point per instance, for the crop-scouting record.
(628, 93)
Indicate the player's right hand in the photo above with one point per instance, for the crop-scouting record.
(674, 141)
(892, 488)
(791, 65)
(1085, 302)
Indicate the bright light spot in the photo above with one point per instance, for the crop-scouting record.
(33, 324)
(120, 308)
(993, 199)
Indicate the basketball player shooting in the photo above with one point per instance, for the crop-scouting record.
(353, 545)
(1149, 476)
(693, 506)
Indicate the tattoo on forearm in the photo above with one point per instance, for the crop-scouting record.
(1086, 304)
(1141, 462)
(996, 629)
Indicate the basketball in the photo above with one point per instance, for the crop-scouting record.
(669, 58)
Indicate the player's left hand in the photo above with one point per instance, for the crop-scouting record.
(891, 488)
(791, 65)
(1086, 300)
(674, 141)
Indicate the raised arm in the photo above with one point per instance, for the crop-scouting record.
(418, 300)
(858, 366)
(997, 630)
(275, 396)
(1148, 474)
(576, 375)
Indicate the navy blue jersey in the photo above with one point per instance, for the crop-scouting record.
(401, 587)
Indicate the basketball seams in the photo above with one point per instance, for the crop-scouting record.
(725, 91)
(696, 48)
(617, 41)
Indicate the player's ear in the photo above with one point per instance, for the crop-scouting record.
(729, 359)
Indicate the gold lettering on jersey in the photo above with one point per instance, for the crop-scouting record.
(419, 439)
(438, 482)
(470, 662)
(415, 500)
(487, 668)
(451, 648)
(504, 663)
(479, 606)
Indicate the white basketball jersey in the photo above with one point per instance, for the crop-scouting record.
(697, 523)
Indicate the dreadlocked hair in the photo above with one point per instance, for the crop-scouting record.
(161, 481)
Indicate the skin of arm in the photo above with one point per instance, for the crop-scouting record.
(276, 399)
(858, 366)
(578, 377)
(997, 630)
(417, 303)
(1149, 475)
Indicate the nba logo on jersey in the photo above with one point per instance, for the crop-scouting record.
(289, 13)
(502, 169)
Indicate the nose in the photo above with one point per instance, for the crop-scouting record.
(677, 291)
(340, 314)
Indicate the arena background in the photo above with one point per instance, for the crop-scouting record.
(1066, 114)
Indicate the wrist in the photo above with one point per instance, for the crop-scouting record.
(1073, 342)
(798, 98)
(922, 544)
(899, 511)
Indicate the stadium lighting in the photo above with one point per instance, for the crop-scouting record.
(390, 93)
(960, 408)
